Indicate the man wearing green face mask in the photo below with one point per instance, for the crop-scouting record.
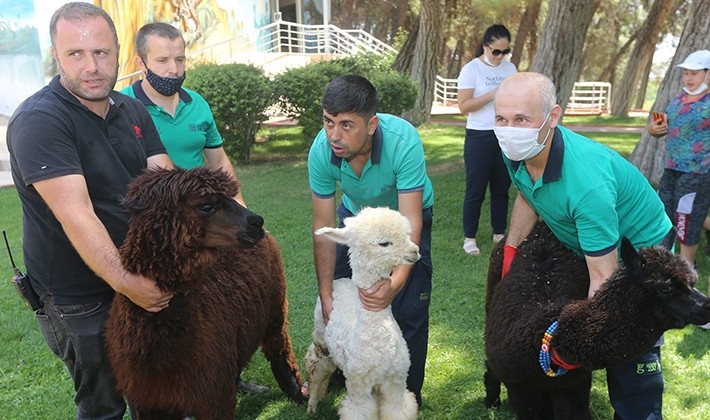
(183, 117)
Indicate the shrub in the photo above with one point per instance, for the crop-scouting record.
(301, 89)
(239, 95)
(397, 91)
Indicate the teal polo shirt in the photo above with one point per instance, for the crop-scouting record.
(591, 197)
(186, 135)
(396, 165)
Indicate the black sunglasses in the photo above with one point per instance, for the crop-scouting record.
(496, 52)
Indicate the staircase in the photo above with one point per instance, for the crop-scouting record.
(282, 45)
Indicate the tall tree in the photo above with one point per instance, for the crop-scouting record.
(641, 54)
(643, 82)
(559, 57)
(527, 30)
(424, 62)
(403, 61)
(649, 151)
(609, 71)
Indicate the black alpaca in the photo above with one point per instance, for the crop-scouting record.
(651, 291)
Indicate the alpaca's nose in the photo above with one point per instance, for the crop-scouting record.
(255, 220)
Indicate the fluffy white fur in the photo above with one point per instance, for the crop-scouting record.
(367, 346)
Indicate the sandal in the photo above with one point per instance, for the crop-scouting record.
(469, 245)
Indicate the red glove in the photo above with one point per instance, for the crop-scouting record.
(509, 252)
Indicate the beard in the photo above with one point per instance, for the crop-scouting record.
(76, 86)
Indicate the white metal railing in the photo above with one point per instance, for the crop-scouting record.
(446, 91)
(589, 98)
(586, 97)
(282, 37)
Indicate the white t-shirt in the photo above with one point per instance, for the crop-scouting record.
(483, 78)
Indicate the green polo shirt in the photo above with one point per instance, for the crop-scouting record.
(396, 165)
(591, 197)
(186, 135)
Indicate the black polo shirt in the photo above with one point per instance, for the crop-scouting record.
(52, 134)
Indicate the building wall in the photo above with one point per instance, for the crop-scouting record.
(25, 45)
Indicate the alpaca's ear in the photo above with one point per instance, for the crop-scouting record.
(341, 236)
(631, 258)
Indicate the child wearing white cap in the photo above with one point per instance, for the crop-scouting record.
(685, 184)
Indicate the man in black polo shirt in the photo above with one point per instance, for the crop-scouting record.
(74, 147)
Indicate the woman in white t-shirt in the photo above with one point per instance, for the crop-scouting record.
(477, 85)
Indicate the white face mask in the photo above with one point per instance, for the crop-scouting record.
(520, 143)
(485, 59)
(700, 89)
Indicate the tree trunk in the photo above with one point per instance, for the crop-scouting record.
(424, 62)
(403, 61)
(454, 65)
(400, 11)
(559, 56)
(528, 26)
(649, 151)
(610, 69)
(649, 35)
(643, 81)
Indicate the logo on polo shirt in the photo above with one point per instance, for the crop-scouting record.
(198, 127)
(137, 131)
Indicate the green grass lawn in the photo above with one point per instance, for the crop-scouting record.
(35, 385)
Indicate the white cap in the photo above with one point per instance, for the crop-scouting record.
(697, 60)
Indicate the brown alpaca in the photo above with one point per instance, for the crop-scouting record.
(193, 239)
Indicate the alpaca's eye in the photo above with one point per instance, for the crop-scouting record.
(206, 208)
(385, 244)
(667, 288)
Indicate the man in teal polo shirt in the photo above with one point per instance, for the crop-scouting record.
(378, 160)
(183, 117)
(590, 197)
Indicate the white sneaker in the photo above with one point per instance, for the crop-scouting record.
(470, 246)
(497, 237)
(705, 326)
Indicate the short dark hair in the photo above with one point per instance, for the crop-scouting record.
(350, 93)
(77, 12)
(161, 29)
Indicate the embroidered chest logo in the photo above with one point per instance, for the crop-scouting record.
(137, 131)
(198, 127)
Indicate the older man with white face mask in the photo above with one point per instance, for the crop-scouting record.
(590, 197)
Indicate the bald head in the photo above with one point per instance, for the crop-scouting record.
(523, 98)
(528, 89)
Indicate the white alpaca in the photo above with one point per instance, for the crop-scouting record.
(367, 346)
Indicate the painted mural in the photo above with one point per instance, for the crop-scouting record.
(203, 22)
(20, 54)
(25, 57)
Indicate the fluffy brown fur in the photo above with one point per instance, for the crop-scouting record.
(650, 292)
(192, 238)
